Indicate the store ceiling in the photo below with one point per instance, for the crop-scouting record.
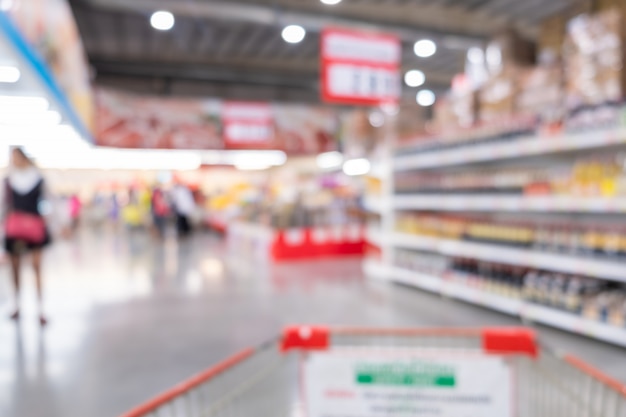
(234, 49)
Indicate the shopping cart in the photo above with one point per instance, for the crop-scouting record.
(347, 372)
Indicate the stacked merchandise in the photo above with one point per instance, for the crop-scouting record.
(590, 298)
(582, 240)
(599, 176)
(593, 62)
(581, 86)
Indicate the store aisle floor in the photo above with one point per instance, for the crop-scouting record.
(131, 317)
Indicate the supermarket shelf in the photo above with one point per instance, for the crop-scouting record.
(375, 204)
(522, 147)
(513, 256)
(375, 236)
(543, 204)
(512, 306)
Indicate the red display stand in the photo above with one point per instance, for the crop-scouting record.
(297, 244)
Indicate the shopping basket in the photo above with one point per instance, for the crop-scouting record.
(356, 372)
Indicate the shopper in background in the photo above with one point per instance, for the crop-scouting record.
(75, 207)
(184, 206)
(25, 228)
(160, 211)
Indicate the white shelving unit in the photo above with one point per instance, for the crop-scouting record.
(504, 151)
(513, 256)
(512, 306)
(522, 147)
(489, 203)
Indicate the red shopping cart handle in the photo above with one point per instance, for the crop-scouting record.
(495, 340)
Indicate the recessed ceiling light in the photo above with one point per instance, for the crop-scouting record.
(425, 98)
(356, 167)
(293, 34)
(329, 160)
(414, 78)
(331, 2)
(425, 48)
(162, 20)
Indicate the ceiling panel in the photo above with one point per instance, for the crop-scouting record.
(212, 36)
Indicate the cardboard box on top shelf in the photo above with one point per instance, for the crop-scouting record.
(604, 5)
(498, 96)
(580, 7)
(457, 109)
(541, 94)
(508, 48)
(593, 58)
(443, 116)
(551, 39)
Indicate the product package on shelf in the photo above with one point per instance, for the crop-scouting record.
(594, 70)
(497, 97)
(541, 95)
(459, 109)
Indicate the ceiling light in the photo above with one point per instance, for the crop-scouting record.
(16, 104)
(355, 167)
(293, 34)
(9, 74)
(252, 166)
(425, 98)
(266, 158)
(414, 78)
(6, 5)
(162, 20)
(331, 2)
(425, 48)
(329, 160)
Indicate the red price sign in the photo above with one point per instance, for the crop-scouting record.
(247, 124)
(360, 67)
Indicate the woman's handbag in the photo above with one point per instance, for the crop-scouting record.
(24, 226)
(18, 225)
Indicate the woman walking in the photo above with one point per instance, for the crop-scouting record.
(25, 229)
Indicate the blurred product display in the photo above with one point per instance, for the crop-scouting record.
(515, 190)
(574, 239)
(590, 298)
(234, 165)
(601, 176)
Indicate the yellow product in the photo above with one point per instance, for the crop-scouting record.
(593, 240)
(608, 187)
(133, 215)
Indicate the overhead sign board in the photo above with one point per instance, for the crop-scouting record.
(360, 67)
(247, 124)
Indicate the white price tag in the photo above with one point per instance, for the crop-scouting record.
(320, 235)
(294, 237)
(355, 232)
(337, 233)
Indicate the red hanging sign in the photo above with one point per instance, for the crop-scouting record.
(360, 67)
(247, 124)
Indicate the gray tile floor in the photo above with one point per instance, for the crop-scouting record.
(131, 317)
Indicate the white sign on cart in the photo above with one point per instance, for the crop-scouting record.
(405, 383)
